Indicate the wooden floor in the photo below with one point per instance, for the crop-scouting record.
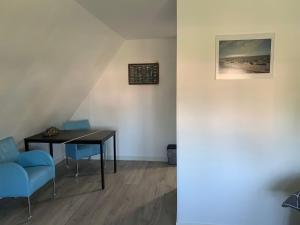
(140, 193)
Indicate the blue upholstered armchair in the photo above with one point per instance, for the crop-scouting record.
(79, 151)
(21, 174)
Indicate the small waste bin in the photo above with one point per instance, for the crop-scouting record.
(172, 155)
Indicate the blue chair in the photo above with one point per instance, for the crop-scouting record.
(21, 174)
(79, 151)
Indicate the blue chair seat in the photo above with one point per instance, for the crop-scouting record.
(38, 176)
(82, 151)
(21, 174)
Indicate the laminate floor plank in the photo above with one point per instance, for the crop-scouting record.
(140, 193)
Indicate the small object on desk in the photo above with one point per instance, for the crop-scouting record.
(52, 131)
(293, 201)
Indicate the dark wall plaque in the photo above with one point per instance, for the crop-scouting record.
(144, 73)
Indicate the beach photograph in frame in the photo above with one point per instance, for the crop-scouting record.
(244, 56)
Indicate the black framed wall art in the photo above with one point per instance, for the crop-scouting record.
(143, 73)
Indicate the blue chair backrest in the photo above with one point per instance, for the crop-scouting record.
(77, 125)
(8, 150)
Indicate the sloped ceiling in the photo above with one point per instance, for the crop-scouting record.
(136, 19)
(51, 54)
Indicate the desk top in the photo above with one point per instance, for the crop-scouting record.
(74, 136)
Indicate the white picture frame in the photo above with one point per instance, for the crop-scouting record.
(245, 56)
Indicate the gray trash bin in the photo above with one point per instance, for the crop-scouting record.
(172, 154)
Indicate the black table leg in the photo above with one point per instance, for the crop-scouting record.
(115, 154)
(26, 145)
(51, 149)
(102, 166)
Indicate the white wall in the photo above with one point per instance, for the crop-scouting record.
(143, 115)
(51, 54)
(238, 140)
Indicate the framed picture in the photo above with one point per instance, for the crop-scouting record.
(143, 73)
(244, 56)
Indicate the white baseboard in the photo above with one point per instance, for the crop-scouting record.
(123, 158)
(136, 158)
(58, 160)
(186, 223)
(177, 223)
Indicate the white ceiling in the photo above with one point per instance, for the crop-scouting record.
(136, 19)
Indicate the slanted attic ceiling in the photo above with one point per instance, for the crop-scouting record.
(136, 19)
(51, 54)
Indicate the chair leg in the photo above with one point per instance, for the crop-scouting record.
(105, 158)
(29, 208)
(54, 188)
(77, 169)
(67, 162)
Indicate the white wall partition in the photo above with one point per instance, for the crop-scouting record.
(238, 140)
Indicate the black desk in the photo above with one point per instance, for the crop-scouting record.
(78, 137)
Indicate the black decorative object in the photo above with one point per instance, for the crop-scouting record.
(52, 131)
(144, 73)
(293, 201)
